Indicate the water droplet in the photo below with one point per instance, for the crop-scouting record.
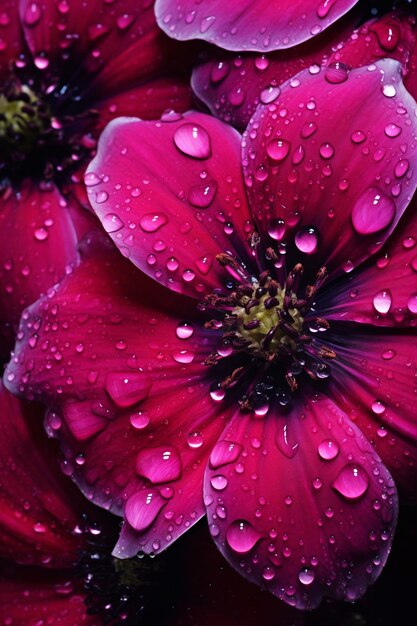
(278, 149)
(33, 14)
(372, 212)
(306, 576)
(307, 239)
(324, 8)
(139, 420)
(392, 130)
(284, 442)
(172, 264)
(328, 450)
(358, 136)
(224, 452)
(382, 301)
(151, 222)
(127, 388)
(219, 482)
(352, 481)
(184, 330)
(219, 71)
(241, 536)
(326, 150)
(41, 234)
(388, 354)
(276, 229)
(183, 356)
(389, 91)
(206, 22)
(269, 94)
(336, 73)
(378, 407)
(195, 439)
(91, 179)
(159, 465)
(193, 140)
(268, 573)
(412, 303)
(308, 129)
(401, 168)
(217, 392)
(142, 508)
(112, 223)
(202, 195)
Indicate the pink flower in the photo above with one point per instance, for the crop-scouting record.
(232, 85)
(253, 356)
(260, 25)
(65, 70)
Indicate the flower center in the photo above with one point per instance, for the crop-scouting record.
(23, 118)
(269, 334)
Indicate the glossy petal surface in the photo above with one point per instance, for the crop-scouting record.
(126, 378)
(249, 24)
(172, 231)
(232, 86)
(310, 464)
(38, 504)
(38, 222)
(323, 158)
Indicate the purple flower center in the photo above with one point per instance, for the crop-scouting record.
(268, 329)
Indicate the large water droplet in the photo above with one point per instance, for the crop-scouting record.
(193, 140)
(151, 222)
(382, 301)
(224, 452)
(127, 388)
(112, 222)
(202, 195)
(184, 330)
(195, 439)
(159, 465)
(328, 450)
(142, 508)
(306, 576)
(373, 211)
(241, 536)
(307, 239)
(284, 441)
(219, 482)
(278, 149)
(336, 73)
(352, 481)
(412, 303)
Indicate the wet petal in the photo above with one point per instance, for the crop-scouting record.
(307, 509)
(37, 242)
(373, 379)
(11, 40)
(29, 596)
(39, 507)
(171, 196)
(232, 86)
(328, 171)
(384, 291)
(251, 24)
(124, 373)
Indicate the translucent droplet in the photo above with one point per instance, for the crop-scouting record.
(241, 536)
(352, 481)
(373, 211)
(307, 239)
(142, 508)
(112, 223)
(224, 452)
(278, 149)
(382, 301)
(328, 450)
(184, 330)
(219, 482)
(159, 465)
(127, 388)
(139, 420)
(193, 140)
(151, 222)
(202, 195)
(336, 73)
(195, 439)
(306, 576)
(412, 303)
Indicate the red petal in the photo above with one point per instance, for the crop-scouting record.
(126, 375)
(171, 196)
(37, 242)
(373, 379)
(11, 40)
(250, 24)
(29, 597)
(384, 291)
(307, 509)
(329, 170)
(232, 86)
(39, 508)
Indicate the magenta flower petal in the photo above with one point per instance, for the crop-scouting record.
(172, 231)
(250, 24)
(11, 38)
(232, 86)
(108, 373)
(38, 221)
(307, 508)
(325, 178)
(373, 379)
(384, 292)
(30, 597)
(37, 504)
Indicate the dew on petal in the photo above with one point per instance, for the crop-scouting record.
(112, 223)
(306, 576)
(307, 239)
(336, 73)
(127, 388)
(142, 508)
(224, 452)
(203, 194)
(139, 420)
(382, 301)
(219, 482)
(241, 536)
(195, 439)
(151, 222)
(372, 212)
(184, 330)
(352, 481)
(328, 450)
(412, 303)
(278, 149)
(193, 140)
(159, 465)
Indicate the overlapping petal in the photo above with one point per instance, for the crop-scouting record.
(119, 358)
(233, 85)
(250, 24)
(171, 196)
(38, 221)
(38, 506)
(300, 503)
(320, 164)
(373, 379)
